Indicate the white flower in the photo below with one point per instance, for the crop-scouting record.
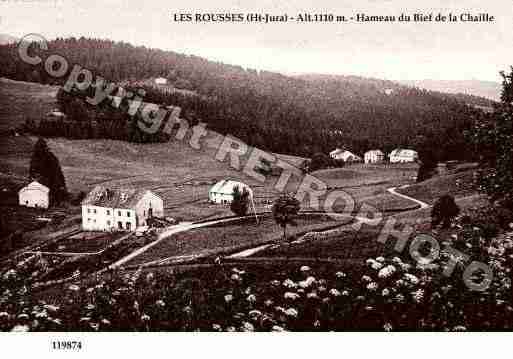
(217, 327)
(95, 326)
(307, 282)
(90, 306)
(397, 260)
(277, 328)
(312, 295)
(247, 327)
(380, 259)
(268, 302)
(459, 328)
(376, 265)
(387, 271)
(387, 327)
(289, 283)
(418, 295)
(4, 314)
(340, 275)
(366, 278)
(145, 317)
(255, 313)
(411, 278)
(334, 292)
(105, 321)
(372, 286)
(290, 295)
(160, 303)
(275, 283)
(291, 312)
(23, 316)
(235, 277)
(304, 268)
(385, 292)
(231, 329)
(74, 287)
(20, 328)
(228, 298)
(345, 293)
(251, 298)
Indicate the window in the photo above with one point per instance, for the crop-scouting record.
(127, 213)
(128, 225)
(89, 220)
(108, 212)
(94, 210)
(119, 213)
(120, 225)
(89, 210)
(108, 223)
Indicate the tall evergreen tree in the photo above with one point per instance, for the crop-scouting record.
(240, 202)
(45, 168)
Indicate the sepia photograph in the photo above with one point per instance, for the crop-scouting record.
(273, 166)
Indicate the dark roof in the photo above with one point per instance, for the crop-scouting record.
(113, 197)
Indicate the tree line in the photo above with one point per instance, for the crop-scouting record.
(291, 115)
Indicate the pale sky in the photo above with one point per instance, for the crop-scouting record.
(394, 51)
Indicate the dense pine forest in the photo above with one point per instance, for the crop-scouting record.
(296, 115)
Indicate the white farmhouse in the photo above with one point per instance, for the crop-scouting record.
(34, 195)
(222, 191)
(347, 156)
(120, 209)
(401, 155)
(374, 156)
(160, 81)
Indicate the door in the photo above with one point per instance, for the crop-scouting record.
(128, 225)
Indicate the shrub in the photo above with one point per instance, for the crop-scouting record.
(240, 203)
(444, 211)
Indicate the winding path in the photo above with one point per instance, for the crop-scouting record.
(393, 191)
(187, 226)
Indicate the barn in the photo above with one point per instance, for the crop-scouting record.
(119, 209)
(222, 191)
(34, 195)
(161, 81)
(347, 156)
(374, 156)
(401, 155)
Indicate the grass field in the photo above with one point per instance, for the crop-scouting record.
(458, 185)
(180, 174)
(219, 237)
(22, 100)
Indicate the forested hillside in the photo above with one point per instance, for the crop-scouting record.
(295, 115)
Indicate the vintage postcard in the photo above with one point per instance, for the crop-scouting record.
(238, 166)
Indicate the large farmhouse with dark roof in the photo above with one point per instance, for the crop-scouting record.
(119, 209)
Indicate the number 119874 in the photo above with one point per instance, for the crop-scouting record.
(66, 345)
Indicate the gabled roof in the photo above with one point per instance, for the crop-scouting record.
(336, 151)
(227, 186)
(402, 152)
(102, 196)
(378, 152)
(35, 185)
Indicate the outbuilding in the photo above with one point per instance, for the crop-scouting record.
(374, 156)
(34, 194)
(222, 191)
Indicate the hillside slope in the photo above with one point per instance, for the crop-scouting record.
(487, 89)
(259, 107)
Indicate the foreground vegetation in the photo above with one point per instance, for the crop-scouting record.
(383, 293)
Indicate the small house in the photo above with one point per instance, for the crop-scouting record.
(119, 209)
(374, 156)
(347, 156)
(160, 81)
(401, 155)
(34, 195)
(222, 191)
